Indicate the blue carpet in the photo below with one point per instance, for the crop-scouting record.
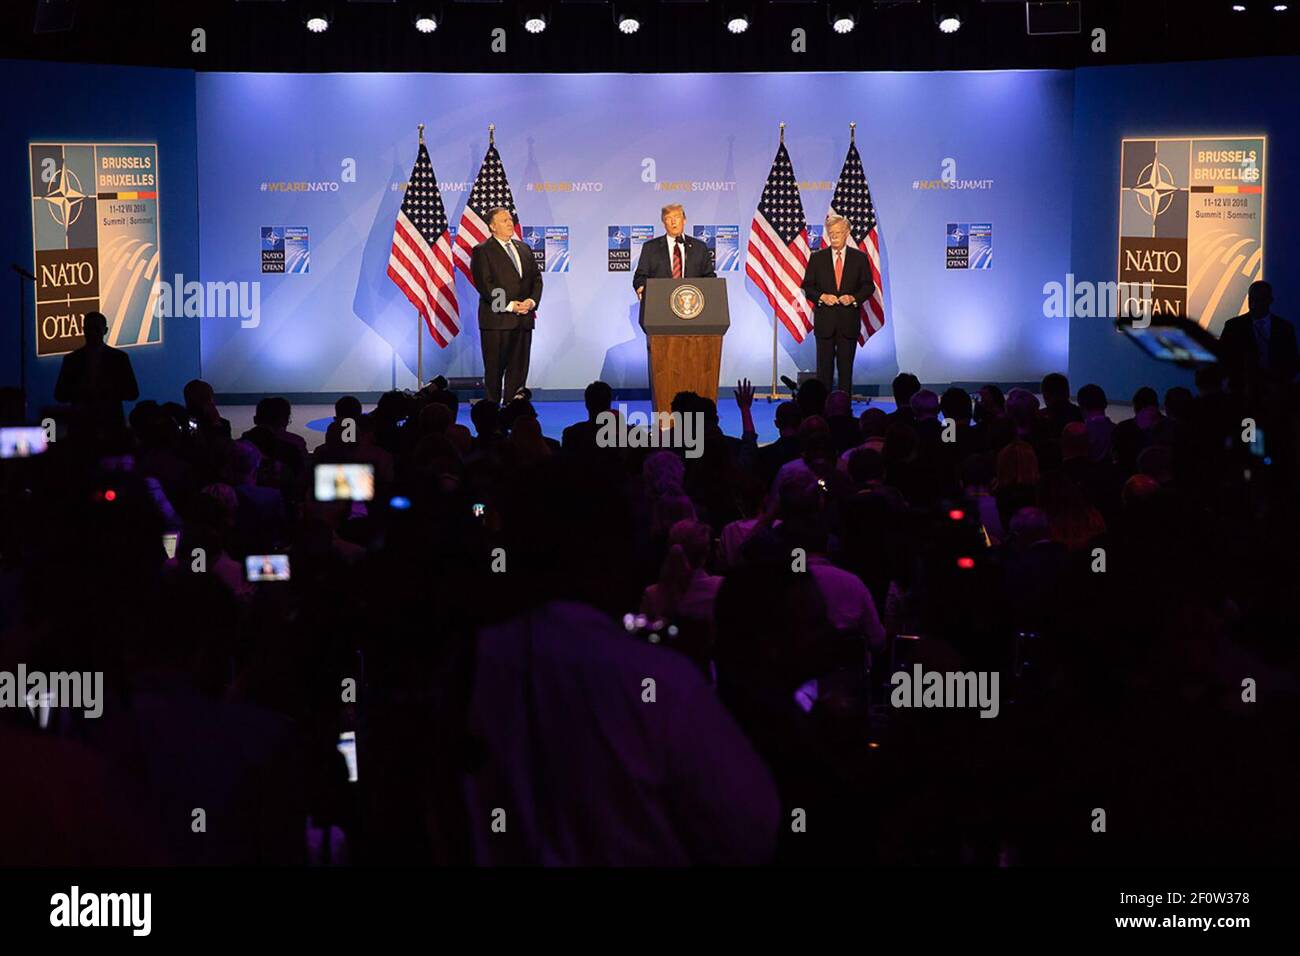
(556, 416)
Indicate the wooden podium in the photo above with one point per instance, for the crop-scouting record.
(684, 321)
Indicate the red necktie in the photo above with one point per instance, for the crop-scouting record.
(839, 267)
(677, 260)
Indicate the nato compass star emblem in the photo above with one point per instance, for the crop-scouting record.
(956, 235)
(704, 235)
(65, 198)
(618, 237)
(1155, 189)
(270, 239)
(533, 238)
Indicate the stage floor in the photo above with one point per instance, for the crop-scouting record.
(310, 421)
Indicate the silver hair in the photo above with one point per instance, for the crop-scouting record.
(833, 218)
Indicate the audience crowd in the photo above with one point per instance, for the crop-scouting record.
(563, 653)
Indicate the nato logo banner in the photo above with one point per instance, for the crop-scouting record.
(96, 242)
(556, 243)
(625, 244)
(1191, 222)
(285, 250)
(969, 245)
(815, 237)
(297, 257)
(723, 243)
(272, 249)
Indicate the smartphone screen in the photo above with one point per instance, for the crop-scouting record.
(347, 746)
(345, 482)
(22, 442)
(267, 567)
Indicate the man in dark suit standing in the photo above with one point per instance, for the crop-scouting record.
(1258, 347)
(673, 255)
(96, 379)
(837, 282)
(509, 286)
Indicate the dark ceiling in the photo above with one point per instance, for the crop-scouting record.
(676, 36)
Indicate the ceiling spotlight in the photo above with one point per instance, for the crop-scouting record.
(535, 19)
(1238, 8)
(627, 17)
(426, 21)
(948, 15)
(317, 21)
(1279, 8)
(843, 17)
(737, 15)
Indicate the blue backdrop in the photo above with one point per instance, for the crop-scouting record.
(58, 102)
(344, 326)
(1047, 141)
(1228, 97)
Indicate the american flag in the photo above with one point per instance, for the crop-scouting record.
(490, 190)
(778, 247)
(852, 200)
(421, 258)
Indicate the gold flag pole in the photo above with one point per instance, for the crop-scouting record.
(419, 322)
(773, 395)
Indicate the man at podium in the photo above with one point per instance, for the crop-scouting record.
(673, 255)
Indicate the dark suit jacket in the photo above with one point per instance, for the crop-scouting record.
(493, 269)
(654, 262)
(102, 398)
(1239, 355)
(841, 320)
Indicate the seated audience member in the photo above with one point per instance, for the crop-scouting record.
(845, 433)
(200, 403)
(1146, 408)
(811, 398)
(977, 479)
(904, 386)
(816, 456)
(992, 404)
(786, 447)
(685, 590)
(261, 523)
(579, 439)
(595, 776)
(1016, 482)
(850, 609)
(872, 425)
(283, 455)
(486, 418)
(1092, 404)
(1058, 411)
